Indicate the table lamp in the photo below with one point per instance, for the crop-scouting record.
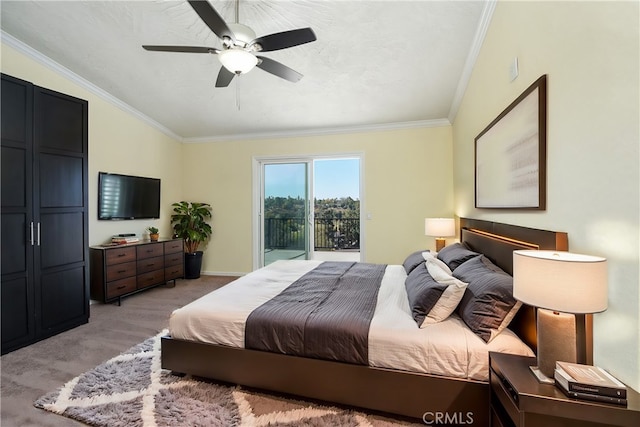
(439, 228)
(560, 285)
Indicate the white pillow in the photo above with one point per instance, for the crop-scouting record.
(450, 297)
(431, 258)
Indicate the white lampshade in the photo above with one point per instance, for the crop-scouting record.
(439, 227)
(237, 61)
(560, 281)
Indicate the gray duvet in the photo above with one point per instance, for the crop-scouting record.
(325, 314)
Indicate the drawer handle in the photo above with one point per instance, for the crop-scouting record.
(122, 271)
(119, 255)
(149, 251)
(121, 287)
(150, 265)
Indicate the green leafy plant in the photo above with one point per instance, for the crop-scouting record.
(153, 230)
(189, 222)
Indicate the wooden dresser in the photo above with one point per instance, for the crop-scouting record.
(118, 271)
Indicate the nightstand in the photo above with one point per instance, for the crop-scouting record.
(518, 399)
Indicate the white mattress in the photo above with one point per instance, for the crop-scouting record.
(447, 348)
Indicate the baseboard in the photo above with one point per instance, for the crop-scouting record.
(222, 273)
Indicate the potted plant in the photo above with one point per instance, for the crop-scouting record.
(153, 234)
(189, 222)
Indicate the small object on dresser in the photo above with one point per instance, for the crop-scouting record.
(590, 383)
(124, 239)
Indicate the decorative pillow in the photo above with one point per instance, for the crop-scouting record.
(430, 300)
(488, 304)
(443, 272)
(455, 254)
(414, 260)
(450, 297)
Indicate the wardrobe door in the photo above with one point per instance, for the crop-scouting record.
(17, 282)
(61, 211)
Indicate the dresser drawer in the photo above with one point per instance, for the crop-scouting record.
(150, 279)
(150, 264)
(120, 255)
(150, 251)
(173, 259)
(173, 272)
(173, 246)
(121, 287)
(120, 271)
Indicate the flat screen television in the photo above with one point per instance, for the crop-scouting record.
(128, 197)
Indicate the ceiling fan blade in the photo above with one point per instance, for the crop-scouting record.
(213, 20)
(224, 77)
(285, 39)
(186, 49)
(278, 69)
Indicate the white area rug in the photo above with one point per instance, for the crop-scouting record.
(132, 390)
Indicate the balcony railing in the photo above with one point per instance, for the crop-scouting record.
(329, 234)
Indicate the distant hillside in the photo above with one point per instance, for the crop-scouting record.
(290, 207)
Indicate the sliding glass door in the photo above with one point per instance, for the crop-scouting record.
(285, 211)
(307, 208)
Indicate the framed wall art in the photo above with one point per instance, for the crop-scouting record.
(510, 154)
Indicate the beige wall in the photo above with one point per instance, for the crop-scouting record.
(118, 142)
(407, 176)
(590, 52)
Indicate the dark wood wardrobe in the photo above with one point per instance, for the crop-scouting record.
(45, 252)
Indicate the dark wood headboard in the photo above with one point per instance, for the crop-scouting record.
(497, 241)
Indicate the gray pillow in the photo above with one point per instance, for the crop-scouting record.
(455, 254)
(423, 292)
(413, 260)
(487, 305)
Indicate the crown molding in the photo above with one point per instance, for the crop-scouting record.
(30, 52)
(472, 57)
(322, 131)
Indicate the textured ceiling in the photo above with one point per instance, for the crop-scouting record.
(374, 63)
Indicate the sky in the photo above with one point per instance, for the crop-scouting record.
(333, 178)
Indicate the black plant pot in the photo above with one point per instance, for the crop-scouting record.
(192, 265)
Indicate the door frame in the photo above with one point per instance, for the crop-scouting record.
(257, 178)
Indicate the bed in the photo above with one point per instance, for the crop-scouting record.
(392, 381)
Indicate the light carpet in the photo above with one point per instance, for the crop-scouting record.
(132, 389)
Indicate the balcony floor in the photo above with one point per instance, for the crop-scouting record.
(276, 254)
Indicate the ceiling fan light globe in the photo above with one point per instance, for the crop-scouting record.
(237, 61)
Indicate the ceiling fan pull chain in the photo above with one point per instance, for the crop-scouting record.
(238, 93)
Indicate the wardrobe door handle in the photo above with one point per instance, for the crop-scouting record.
(38, 241)
(31, 233)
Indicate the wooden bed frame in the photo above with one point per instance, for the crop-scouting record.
(387, 390)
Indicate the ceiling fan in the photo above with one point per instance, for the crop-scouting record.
(240, 45)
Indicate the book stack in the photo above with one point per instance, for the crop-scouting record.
(589, 383)
(123, 239)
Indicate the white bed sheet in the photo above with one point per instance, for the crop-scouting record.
(447, 348)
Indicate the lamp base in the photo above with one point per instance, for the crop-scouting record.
(556, 340)
(542, 378)
(440, 242)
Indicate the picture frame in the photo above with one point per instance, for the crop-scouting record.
(510, 154)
